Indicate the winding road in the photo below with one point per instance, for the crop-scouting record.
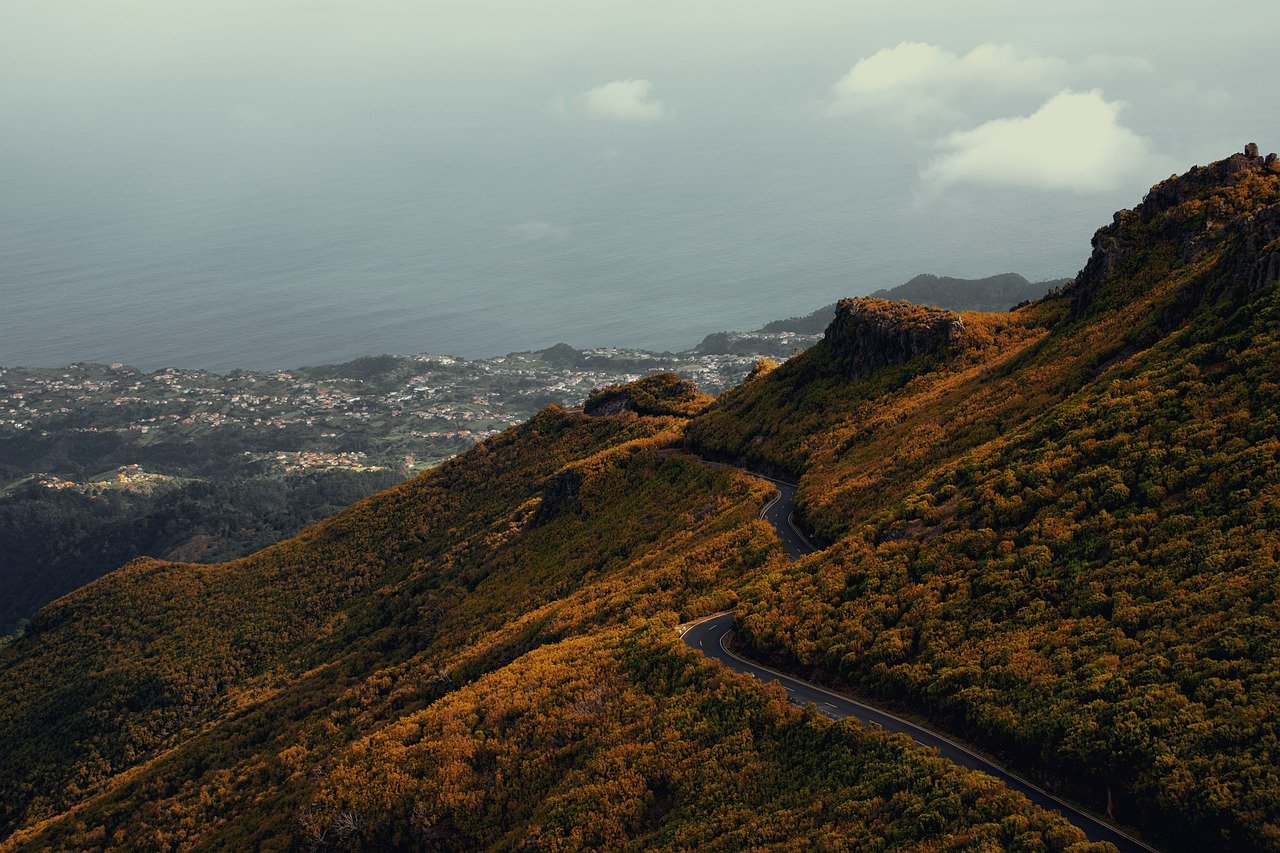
(709, 637)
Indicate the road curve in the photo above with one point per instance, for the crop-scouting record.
(709, 637)
(779, 513)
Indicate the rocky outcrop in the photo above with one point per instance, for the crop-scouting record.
(870, 333)
(608, 404)
(663, 394)
(1232, 204)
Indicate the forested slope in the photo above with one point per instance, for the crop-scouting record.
(1053, 532)
(324, 692)
(1060, 540)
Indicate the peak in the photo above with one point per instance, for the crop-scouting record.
(657, 395)
(562, 354)
(868, 333)
(1200, 180)
(1230, 208)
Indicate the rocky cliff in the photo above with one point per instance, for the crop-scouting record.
(869, 333)
(1231, 207)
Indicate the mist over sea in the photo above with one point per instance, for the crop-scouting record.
(275, 258)
(297, 183)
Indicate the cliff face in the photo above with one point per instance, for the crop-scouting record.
(1231, 207)
(868, 333)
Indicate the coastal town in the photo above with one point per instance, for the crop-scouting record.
(396, 413)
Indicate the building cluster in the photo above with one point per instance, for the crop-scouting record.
(422, 409)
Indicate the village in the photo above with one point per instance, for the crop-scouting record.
(398, 413)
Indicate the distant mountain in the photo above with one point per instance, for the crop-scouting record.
(994, 293)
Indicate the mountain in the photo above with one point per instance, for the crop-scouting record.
(352, 429)
(60, 535)
(1050, 532)
(1055, 532)
(232, 463)
(993, 293)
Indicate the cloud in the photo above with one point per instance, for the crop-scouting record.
(537, 229)
(915, 82)
(1073, 142)
(623, 100)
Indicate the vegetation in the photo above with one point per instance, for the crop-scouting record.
(1063, 547)
(660, 394)
(420, 589)
(627, 740)
(54, 541)
(1057, 538)
(993, 293)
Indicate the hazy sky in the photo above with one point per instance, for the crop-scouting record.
(1183, 79)
(1010, 128)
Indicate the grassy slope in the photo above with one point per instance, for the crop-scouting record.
(1061, 541)
(468, 659)
(1064, 544)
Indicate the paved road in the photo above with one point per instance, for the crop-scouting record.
(708, 636)
(778, 512)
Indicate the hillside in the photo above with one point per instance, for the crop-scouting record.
(456, 630)
(1051, 532)
(1056, 534)
(252, 457)
(261, 454)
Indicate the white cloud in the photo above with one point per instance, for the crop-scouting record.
(623, 100)
(915, 81)
(537, 229)
(1073, 142)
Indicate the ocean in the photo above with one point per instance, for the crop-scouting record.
(222, 245)
(289, 182)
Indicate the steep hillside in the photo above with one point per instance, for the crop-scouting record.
(1061, 542)
(451, 574)
(406, 675)
(1052, 532)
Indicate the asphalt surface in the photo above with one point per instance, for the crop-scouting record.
(778, 512)
(709, 637)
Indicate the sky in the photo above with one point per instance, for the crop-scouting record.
(881, 138)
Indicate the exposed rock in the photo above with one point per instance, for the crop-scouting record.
(607, 405)
(1251, 150)
(869, 333)
(1233, 201)
(663, 394)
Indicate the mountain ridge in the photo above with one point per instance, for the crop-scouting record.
(1057, 541)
